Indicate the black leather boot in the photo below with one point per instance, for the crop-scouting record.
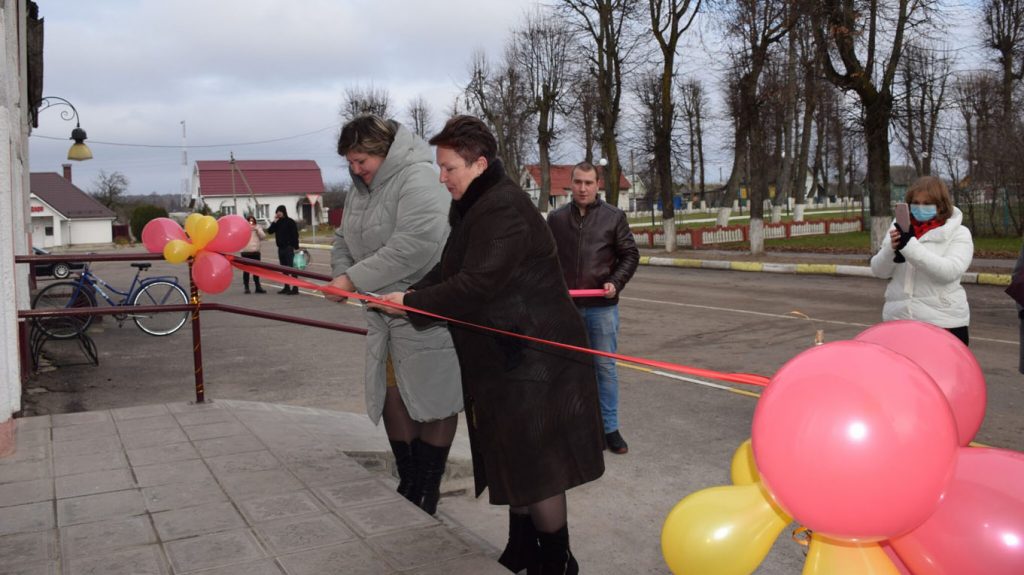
(430, 461)
(407, 473)
(522, 550)
(555, 556)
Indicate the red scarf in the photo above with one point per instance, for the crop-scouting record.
(921, 228)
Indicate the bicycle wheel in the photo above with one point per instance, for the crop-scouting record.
(160, 293)
(63, 295)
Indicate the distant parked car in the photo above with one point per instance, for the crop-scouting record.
(59, 270)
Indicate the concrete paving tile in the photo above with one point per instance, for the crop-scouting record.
(138, 411)
(239, 462)
(280, 506)
(89, 508)
(475, 564)
(24, 471)
(19, 548)
(165, 421)
(87, 446)
(93, 482)
(162, 454)
(44, 568)
(215, 550)
(265, 567)
(419, 548)
(101, 537)
(25, 518)
(329, 472)
(307, 532)
(253, 484)
(21, 492)
(181, 495)
(205, 417)
(370, 520)
(40, 436)
(72, 464)
(24, 453)
(152, 437)
(84, 431)
(64, 419)
(365, 492)
(192, 521)
(34, 422)
(176, 472)
(192, 407)
(352, 558)
(228, 445)
(210, 430)
(145, 560)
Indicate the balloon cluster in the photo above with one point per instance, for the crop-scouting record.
(202, 240)
(864, 442)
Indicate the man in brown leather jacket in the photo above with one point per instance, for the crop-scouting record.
(597, 251)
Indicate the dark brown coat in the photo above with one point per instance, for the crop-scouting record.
(534, 422)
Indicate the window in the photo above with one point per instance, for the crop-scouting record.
(226, 209)
(263, 211)
(48, 230)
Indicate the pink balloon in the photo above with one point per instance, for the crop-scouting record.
(158, 232)
(946, 359)
(979, 525)
(212, 272)
(233, 233)
(855, 441)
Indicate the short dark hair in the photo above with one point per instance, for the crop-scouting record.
(583, 166)
(368, 134)
(469, 137)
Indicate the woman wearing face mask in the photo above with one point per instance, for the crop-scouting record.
(937, 250)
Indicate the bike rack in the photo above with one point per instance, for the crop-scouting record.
(196, 306)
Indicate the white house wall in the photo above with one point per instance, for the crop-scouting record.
(83, 232)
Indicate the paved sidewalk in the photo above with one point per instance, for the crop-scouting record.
(220, 488)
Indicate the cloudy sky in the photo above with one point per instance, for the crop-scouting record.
(238, 72)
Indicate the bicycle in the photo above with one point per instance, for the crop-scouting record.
(80, 293)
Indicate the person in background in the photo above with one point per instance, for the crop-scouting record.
(252, 251)
(391, 235)
(937, 250)
(597, 251)
(1018, 268)
(532, 409)
(286, 235)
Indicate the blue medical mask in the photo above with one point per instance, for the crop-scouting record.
(923, 213)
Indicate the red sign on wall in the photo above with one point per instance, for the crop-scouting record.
(37, 209)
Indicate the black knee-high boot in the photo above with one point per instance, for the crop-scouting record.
(407, 472)
(522, 550)
(555, 556)
(430, 461)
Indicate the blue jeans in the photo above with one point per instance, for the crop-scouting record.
(603, 330)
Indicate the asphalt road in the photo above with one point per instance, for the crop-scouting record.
(681, 434)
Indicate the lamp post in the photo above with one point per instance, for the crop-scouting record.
(78, 151)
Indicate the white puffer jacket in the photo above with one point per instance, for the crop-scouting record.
(927, 287)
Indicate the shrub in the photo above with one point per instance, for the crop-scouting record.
(142, 216)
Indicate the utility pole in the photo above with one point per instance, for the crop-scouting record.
(186, 194)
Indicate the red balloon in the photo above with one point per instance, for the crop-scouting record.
(233, 232)
(159, 231)
(212, 272)
(855, 441)
(979, 525)
(946, 359)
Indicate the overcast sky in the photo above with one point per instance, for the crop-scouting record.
(242, 71)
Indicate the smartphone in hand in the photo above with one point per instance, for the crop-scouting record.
(903, 216)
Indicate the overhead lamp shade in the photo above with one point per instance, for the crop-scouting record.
(79, 151)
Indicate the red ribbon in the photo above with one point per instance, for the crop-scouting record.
(745, 378)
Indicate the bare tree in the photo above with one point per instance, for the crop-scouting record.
(110, 189)
(606, 24)
(923, 76)
(695, 105)
(360, 101)
(499, 96)
(581, 108)
(542, 49)
(1004, 28)
(420, 118)
(669, 20)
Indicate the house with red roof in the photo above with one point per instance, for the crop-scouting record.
(63, 215)
(561, 177)
(258, 186)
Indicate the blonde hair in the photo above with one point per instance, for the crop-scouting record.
(935, 191)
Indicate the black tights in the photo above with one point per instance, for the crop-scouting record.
(548, 515)
(401, 427)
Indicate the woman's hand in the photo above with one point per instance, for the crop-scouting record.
(894, 235)
(343, 283)
(394, 297)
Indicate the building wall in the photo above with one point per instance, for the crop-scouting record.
(98, 231)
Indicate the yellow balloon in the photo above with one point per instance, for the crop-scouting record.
(721, 531)
(744, 468)
(190, 223)
(177, 251)
(836, 557)
(204, 230)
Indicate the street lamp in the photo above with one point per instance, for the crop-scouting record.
(78, 151)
